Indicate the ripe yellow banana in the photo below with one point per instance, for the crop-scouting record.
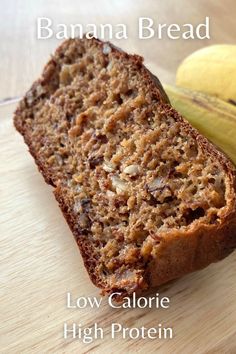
(213, 117)
(211, 70)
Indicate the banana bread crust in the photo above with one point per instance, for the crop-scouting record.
(180, 251)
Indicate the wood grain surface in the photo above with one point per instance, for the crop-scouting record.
(40, 261)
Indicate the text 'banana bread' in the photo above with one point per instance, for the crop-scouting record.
(147, 198)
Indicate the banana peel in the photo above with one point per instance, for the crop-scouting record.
(214, 118)
(211, 70)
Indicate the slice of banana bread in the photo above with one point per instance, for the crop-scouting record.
(147, 198)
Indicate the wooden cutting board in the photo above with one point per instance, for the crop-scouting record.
(40, 263)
